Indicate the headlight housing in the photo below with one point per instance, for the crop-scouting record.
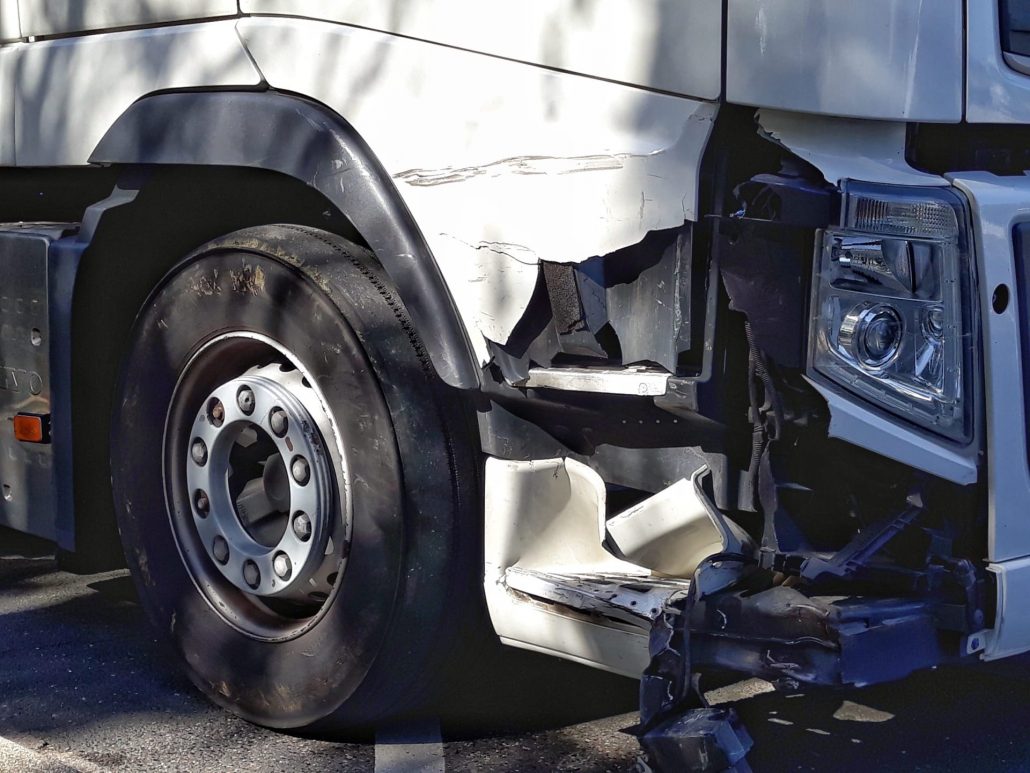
(891, 311)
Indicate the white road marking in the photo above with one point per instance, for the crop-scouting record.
(739, 691)
(414, 748)
(16, 757)
(850, 711)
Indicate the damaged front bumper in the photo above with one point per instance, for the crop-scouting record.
(732, 621)
(745, 621)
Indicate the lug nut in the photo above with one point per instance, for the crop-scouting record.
(220, 549)
(202, 503)
(251, 574)
(278, 421)
(281, 565)
(299, 469)
(217, 412)
(302, 526)
(199, 452)
(245, 399)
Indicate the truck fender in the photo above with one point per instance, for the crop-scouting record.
(302, 139)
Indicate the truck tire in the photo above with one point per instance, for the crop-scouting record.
(296, 490)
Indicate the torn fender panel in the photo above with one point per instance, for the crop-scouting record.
(631, 306)
(502, 164)
(846, 148)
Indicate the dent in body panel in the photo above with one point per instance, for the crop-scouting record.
(490, 232)
(550, 167)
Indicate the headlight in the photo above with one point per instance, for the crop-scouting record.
(891, 315)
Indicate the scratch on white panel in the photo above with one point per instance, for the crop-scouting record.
(516, 252)
(517, 165)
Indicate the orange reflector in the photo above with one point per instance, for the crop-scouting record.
(31, 428)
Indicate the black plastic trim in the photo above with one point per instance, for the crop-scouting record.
(1014, 20)
(300, 138)
(1021, 251)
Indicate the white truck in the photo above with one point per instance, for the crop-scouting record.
(680, 338)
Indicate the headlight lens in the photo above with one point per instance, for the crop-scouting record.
(891, 314)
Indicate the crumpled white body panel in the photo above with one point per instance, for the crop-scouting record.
(847, 148)
(502, 164)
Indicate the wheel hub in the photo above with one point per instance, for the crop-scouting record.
(261, 485)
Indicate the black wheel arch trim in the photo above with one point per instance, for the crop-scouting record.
(303, 139)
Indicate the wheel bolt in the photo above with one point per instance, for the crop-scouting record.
(245, 399)
(299, 469)
(302, 526)
(202, 503)
(199, 452)
(281, 565)
(217, 412)
(251, 574)
(220, 549)
(278, 421)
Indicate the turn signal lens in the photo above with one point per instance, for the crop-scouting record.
(31, 428)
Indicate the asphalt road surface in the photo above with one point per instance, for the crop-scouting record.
(84, 687)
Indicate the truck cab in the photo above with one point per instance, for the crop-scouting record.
(680, 339)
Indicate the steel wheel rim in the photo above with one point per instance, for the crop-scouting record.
(276, 605)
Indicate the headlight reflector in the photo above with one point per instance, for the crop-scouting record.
(891, 314)
(872, 334)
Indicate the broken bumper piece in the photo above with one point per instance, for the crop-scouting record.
(782, 635)
(777, 633)
(699, 741)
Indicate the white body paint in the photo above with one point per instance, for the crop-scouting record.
(58, 17)
(995, 92)
(545, 515)
(854, 422)
(999, 203)
(67, 92)
(673, 531)
(669, 45)
(884, 59)
(847, 148)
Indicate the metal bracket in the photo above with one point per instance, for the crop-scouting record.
(640, 381)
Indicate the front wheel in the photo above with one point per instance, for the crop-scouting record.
(296, 489)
